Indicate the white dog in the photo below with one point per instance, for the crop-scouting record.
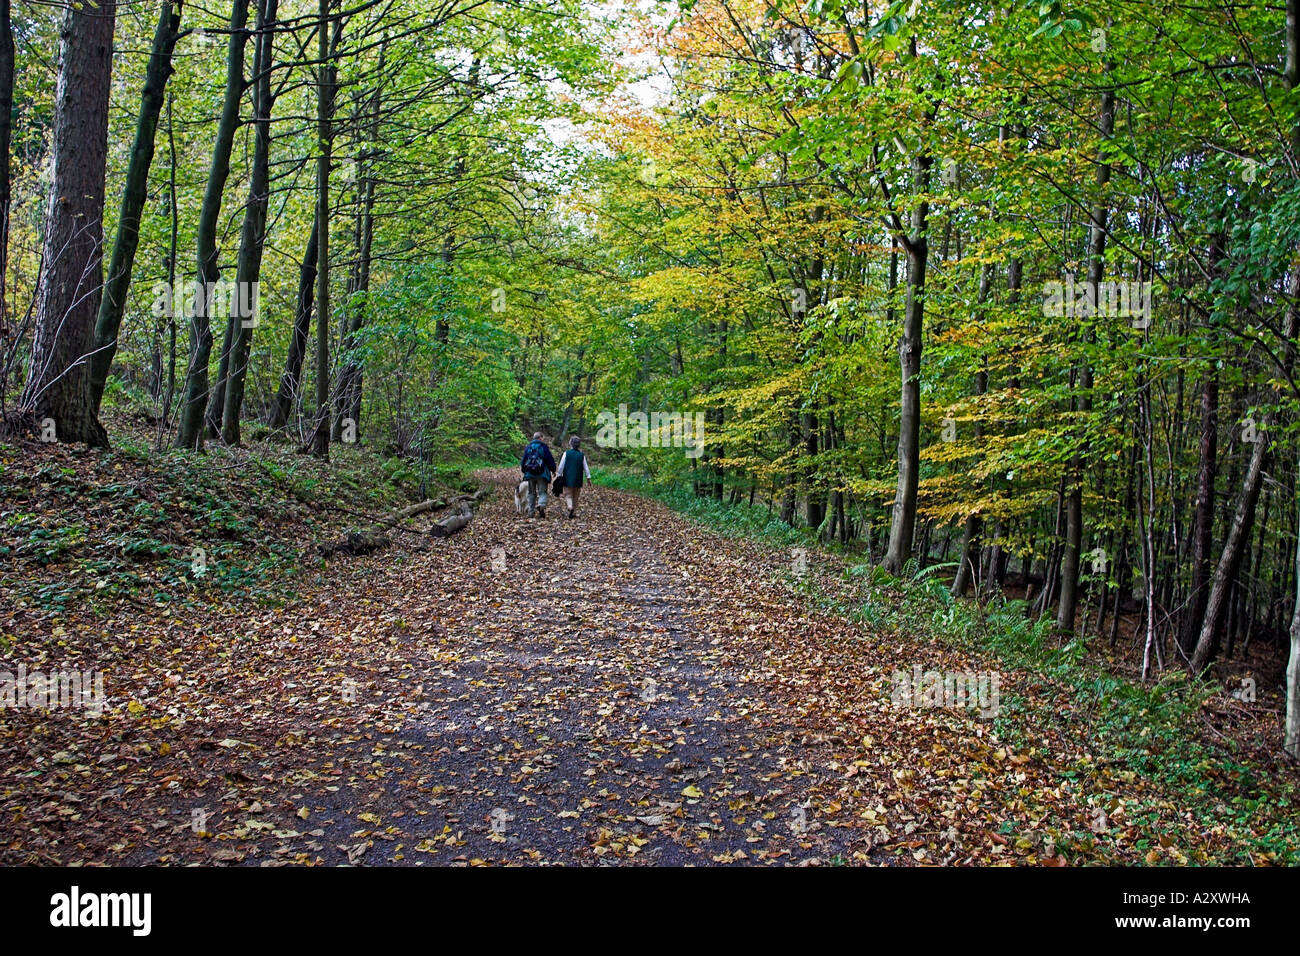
(521, 498)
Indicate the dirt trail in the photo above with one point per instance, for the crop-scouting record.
(621, 688)
(588, 709)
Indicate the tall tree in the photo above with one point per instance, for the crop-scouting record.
(248, 269)
(113, 303)
(916, 249)
(1096, 257)
(324, 112)
(6, 144)
(190, 433)
(67, 297)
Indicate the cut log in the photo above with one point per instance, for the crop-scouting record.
(452, 523)
(433, 504)
(376, 537)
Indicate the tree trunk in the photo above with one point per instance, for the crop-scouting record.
(6, 139)
(1203, 535)
(974, 523)
(903, 520)
(453, 523)
(173, 209)
(788, 499)
(68, 293)
(253, 231)
(350, 374)
(127, 240)
(1225, 573)
(292, 376)
(350, 377)
(191, 431)
(324, 106)
(1096, 274)
(813, 506)
(1291, 731)
(217, 395)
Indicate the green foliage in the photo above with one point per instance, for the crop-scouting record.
(728, 520)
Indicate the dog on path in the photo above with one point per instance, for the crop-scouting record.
(521, 497)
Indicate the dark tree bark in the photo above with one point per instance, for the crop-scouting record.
(350, 373)
(324, 109)
(173, 207)
(68, 293)
(6, 139)
(1225, 572)
(1291, 726)
(217, 394)
(191, 431)
(1206, 477)
(291, 378)
(1202, 537)
(813, 507)
(127, 240)
(253, 231)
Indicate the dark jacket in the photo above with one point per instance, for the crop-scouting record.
(548, 460)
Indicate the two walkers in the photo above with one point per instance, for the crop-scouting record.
(538, 465)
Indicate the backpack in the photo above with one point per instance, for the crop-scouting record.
(533, 463)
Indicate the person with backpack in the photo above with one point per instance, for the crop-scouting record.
(538, 465)
(573, 469)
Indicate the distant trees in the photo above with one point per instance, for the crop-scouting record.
(1058, 225)
(417, 171)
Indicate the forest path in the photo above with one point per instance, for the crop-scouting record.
(629, 687)
(625, 687)
(587, 702)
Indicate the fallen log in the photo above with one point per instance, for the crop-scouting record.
(433, 504)
(376, 538)
(452, 523)
(355, 543)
